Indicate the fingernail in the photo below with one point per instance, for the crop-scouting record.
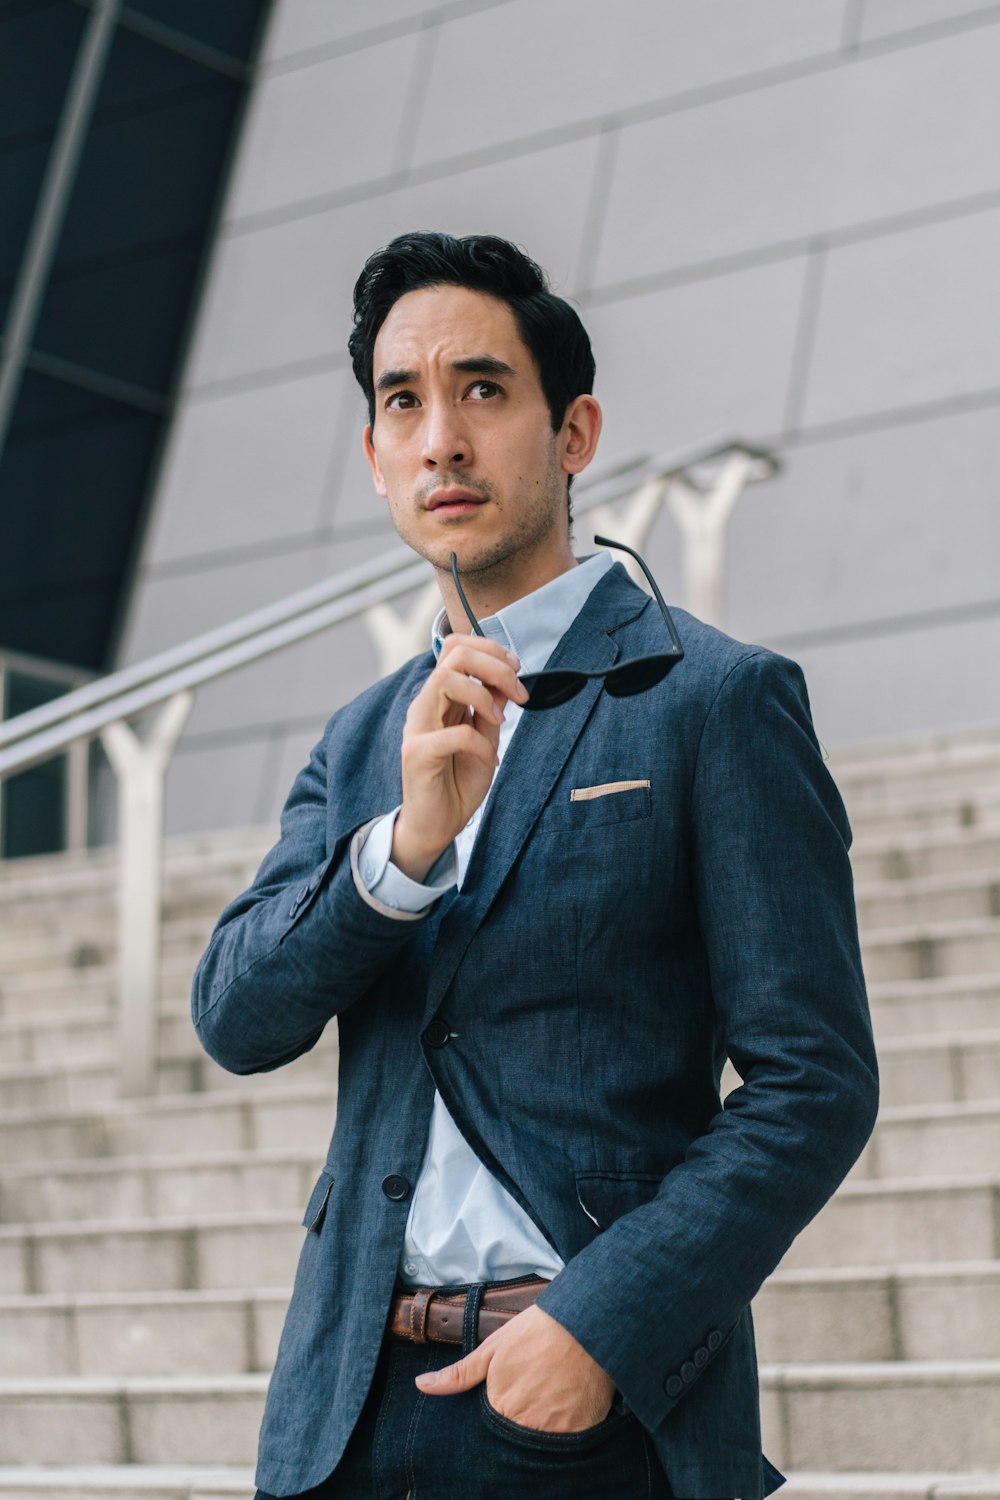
(514, 662)
(425, 1381)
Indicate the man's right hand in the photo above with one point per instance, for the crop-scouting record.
(449, 752)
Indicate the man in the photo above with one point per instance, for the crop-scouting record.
(530, 1256)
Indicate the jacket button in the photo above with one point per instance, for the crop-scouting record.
(687, 1372)
(674, 1386)
(701, 1357)
(437, 1033)
(300, 896)
(395, 1188)
(714, 1340)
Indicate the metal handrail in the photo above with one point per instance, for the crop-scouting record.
(170, 678)
(123, 694)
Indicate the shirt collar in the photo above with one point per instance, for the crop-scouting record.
(533, 626)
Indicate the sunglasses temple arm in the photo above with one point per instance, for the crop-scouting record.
(465, 603)
(603, 541)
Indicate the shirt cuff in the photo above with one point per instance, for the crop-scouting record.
(388, 886)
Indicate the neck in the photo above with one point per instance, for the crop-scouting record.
(492, 589)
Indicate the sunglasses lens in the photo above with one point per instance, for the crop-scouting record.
(636, 676)
(548, 689)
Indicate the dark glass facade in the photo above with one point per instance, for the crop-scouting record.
(94, 381)
(98, 374)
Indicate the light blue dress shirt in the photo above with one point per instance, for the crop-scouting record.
(463, 1225)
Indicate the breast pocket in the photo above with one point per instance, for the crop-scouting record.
(598, 806)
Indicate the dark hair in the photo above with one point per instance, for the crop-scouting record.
(549, 326)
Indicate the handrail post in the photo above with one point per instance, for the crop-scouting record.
(141, 766)
(703, 518)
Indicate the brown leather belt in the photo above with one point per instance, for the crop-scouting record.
(428, 1315)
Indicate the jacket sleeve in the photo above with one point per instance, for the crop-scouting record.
(774, 895)
(300, 945)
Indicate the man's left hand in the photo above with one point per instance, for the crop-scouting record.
(536, 1375)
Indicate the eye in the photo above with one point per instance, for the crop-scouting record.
(401, 401)
(484, 390)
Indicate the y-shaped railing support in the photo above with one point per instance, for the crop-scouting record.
(141, 766)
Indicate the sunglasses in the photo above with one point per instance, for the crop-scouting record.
(549, 689)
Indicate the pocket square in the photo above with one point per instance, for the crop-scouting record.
(607, 789)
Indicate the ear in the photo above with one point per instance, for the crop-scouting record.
(579, 433)
(373, 464)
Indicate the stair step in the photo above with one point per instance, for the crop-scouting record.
(129, 1482)
(905, 1007)
(905, 1416)
(92, 1083)
(922, 1312)
(932, 950)
(161, 1420)
(132, 1255)
(941, 898)
(956, 1068)
(264, 1118)
(882, 1223)
(914, 856)
(933, 1140)
(940, 811)
(137, 1187)
(901, 1486)
(147, 1333)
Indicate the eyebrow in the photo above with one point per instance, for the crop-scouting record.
(473, 364)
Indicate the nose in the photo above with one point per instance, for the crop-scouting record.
(446, 443)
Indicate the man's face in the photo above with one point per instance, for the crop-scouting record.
(462, 445)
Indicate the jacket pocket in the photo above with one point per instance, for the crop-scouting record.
(580, 812)
(606, 1196)
(319, 1197)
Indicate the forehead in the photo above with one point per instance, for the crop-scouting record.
(443, 323)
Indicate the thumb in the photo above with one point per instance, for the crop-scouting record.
(461, 1376)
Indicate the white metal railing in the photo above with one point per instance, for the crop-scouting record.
(700, 485)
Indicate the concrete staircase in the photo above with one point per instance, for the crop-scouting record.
(146, 1249)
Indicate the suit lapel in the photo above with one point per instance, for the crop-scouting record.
(534, 760)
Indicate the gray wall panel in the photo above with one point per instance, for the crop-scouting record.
(781, 218)
(908, 319)
(553, 62)
(868, 140)
(248, 467)
(337, 109)
(867, 528)
(681, 365)
(883, 18)
(312, 23)
(893, 685)
(282, 293)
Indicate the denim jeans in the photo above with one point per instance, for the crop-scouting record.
(407, 1444)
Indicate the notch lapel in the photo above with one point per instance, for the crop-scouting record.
(538, 751)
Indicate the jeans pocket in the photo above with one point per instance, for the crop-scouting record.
(557, 1442)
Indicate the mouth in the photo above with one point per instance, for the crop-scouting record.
(454, 502)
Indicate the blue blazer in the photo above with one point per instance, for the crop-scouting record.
(602, 959)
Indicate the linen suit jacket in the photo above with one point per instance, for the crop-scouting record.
(574, 1004)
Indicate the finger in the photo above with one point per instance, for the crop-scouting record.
(497, 671)
(466, 692)
(461, 1376)
(442, 745)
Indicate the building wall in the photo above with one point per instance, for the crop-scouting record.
(779, 219)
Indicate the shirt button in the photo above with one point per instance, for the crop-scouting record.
(369, 873)
(393, 905)
(395, 1188)
(410, 1268)
(437, 1032)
